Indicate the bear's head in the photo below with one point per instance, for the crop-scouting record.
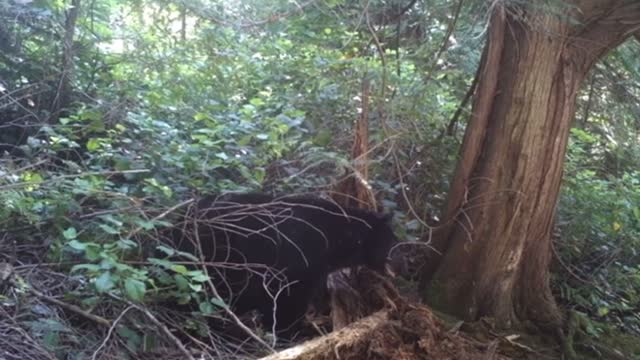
(379, 242)
(367, 240)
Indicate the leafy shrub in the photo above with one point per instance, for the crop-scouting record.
(599, 219)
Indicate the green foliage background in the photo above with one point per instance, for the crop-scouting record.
(176, 98)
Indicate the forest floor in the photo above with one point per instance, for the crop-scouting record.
(45, 313)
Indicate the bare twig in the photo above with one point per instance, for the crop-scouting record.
(161, 216)
(456, 116)
(25, 336)
(160, 325)
(227, 309)
(111, 328)
(275, 306)
(451, 26)
(29, 166)
(95, 318)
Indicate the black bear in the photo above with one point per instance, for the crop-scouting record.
(271, 253)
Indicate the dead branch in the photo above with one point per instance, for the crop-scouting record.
(227, 309)
(73, 308)
(160, 325)
(111, 328)
(330, 346)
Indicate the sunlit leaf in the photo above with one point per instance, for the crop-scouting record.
(70, 234)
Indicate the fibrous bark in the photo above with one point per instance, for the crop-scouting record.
(496, 244)
(353, 191)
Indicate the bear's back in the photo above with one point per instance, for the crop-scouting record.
(288, 232)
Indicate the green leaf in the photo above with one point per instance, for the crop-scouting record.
(146, 225)
(181, 282)
(323, 137)
(180, 269)
(127, 244)
(112, 220)
(259, 174)
(603, 311)
(166, 191)
(77, 245)
(163, 278)
(206, 308)
(256, 102)
(161, 262)
(70, 234)
(107, 264)
(162, 223)
(51, 340)
(200, 116)
(184, 299)
(93, 144)
(187, 255)
(245, 140)
(135, 289)
(222, 156)
(91, 301)
(104, 282)
(167, 250)
(219, 303)
(198, 276)
(32, 177)
(92, 252)
(134, 341)
(109, 229)
(89, 267)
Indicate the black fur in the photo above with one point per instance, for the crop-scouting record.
(280, 248)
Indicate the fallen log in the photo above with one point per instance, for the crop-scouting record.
(336, 345)
(411, 332)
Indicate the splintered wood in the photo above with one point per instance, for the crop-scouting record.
(411, 333)
(331, 345)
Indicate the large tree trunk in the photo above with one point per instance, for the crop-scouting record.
(496, 246)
